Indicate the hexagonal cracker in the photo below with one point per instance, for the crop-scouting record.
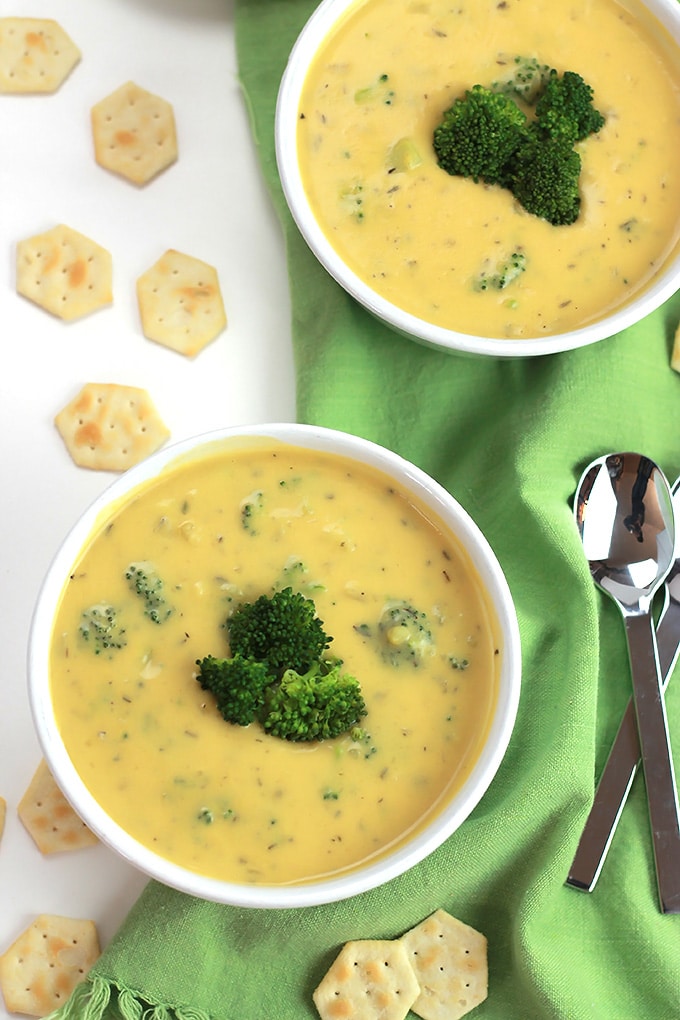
(180, 303)
(371, 979)
(134, 133)
(36, 55)
(48, 817)
(110, 427)
(64, 272)
(44, 964)
(449, 959)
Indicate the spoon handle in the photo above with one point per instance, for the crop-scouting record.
(622, 764)
(657, 763)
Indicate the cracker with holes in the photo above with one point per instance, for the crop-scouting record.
(449, 959)
(110, 427)
(42, 967)
(49, 818)
(36, 55)
(370, 979)
(180, 303)
(134, 133)
(64, 272)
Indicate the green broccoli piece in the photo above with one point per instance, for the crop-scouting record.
(404, 635)
(281, 630)
(144, 582)
(501, 274)
(295, 574)
(487, 137)
(362, 742)
(545, 179)
(479, 134)
(565, 109)
(379, 91)
(237, 684)
(352, 200)
(251, 507)
(278, 674)
(526, 79)
(403, 156)
(319, 704)
(457, 663)
(101, 629)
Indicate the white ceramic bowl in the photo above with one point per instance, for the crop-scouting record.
(406, 477)
(321, 22)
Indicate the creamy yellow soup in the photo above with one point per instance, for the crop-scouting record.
(233, 802)
(421, 237)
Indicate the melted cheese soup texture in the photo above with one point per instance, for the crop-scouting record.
(421, 237)
(230, 801)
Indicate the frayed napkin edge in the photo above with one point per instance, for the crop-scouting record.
(97, 998)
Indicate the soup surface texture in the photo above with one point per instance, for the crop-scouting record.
(232, 802)
(426, 240)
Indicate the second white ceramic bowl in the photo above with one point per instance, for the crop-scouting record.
(304, 52)
(407, 478)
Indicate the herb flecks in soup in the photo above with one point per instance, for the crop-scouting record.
(438, 246)
(150, 594)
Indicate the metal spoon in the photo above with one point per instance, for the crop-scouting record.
(624, 758)
(624, 513)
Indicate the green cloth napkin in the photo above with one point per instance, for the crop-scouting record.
(509, 439)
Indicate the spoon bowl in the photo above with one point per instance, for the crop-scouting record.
(624, 512)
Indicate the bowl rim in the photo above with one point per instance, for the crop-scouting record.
(325, 889)
(323, 19)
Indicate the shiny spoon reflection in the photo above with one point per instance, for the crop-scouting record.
(624, 513)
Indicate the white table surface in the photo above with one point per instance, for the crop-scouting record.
(212, 204)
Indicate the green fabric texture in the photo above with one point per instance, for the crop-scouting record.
(509, 439)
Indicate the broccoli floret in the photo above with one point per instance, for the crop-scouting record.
(545, 179)
(526, 79)
(458, 663)
(145, 582)
(237, 684)
(319, 704)
(101, 628)
(295, 574)
(251, 507)
(404, 635)
(361, 742)
(487, 137)
(278, 673)
(565, 109)
(501, 274)
(281, 630)
(479, 134)
(379, 91)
